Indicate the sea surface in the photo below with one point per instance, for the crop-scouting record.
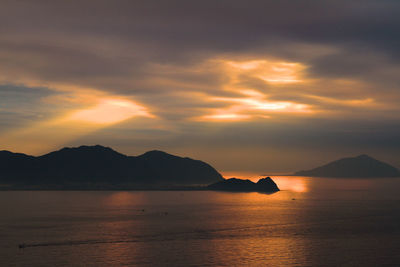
(311, 222)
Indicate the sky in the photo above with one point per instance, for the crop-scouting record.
(247, 86)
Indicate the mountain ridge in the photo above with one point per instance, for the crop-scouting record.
(99, 164)
(357, 167)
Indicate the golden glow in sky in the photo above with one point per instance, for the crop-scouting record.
(110, 111)
(270, 71)
(105, 111)
(254, 103)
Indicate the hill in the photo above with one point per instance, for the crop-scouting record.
(266, 185)
(97, 166)
(360, 166)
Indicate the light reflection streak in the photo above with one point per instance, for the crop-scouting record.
(292, 183)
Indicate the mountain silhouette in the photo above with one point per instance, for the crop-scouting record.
(99, 165)
(360, 166)
(240, 185)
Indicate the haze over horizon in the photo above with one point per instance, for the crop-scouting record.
(245, 87)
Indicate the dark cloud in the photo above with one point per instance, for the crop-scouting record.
(184, 26)
(96, 40)
(21, 105)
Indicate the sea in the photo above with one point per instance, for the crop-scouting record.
(310, 222)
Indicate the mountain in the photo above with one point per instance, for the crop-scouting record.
(360, 166)
(102, 166)
(240, 185)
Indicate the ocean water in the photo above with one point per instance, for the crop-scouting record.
(311, 222)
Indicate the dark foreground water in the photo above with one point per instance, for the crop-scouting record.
(312, 222)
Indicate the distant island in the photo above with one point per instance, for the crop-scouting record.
(362, 166)
(99, 167)
(264, 185)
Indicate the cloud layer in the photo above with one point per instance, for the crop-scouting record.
(271, 80)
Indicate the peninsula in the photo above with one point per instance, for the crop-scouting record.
(99, 167)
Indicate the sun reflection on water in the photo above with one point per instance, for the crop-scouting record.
(292, 183)
(123, 198)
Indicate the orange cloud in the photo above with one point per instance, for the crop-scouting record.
(109, 110)
(42, 136)
(252, 105)
(275, 72)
